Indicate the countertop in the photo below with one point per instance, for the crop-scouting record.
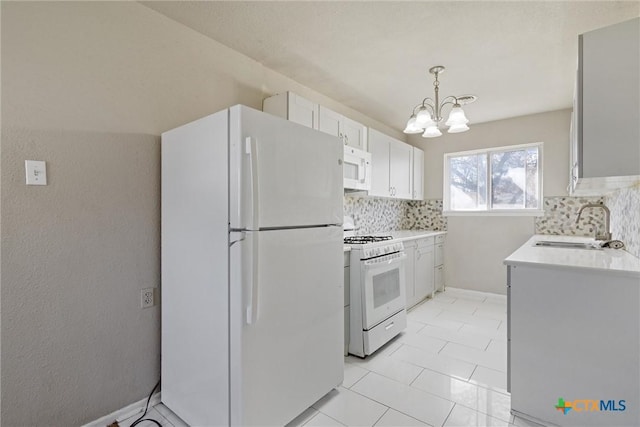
(615, 261)
(404, 235)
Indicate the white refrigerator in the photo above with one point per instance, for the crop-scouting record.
(252, 268)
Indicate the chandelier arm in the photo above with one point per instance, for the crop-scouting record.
(414, 109)
(448, 98)
(448, 102)
(430, 107)
(424, 101)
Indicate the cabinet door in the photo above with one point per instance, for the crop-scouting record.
(354, 133)
(424, 272)
(439, 254)
(418, 174)
(303, 111)
(400, 168)
(379, 149)
(409, 268)
(439, 278)
(574, 161)
(329, 122)
(610, 104)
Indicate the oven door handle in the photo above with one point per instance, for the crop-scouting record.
(385, 261)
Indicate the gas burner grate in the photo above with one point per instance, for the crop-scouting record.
(361, 240)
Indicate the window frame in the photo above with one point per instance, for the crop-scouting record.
(490, 211)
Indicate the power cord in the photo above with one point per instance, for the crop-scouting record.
(146, 408)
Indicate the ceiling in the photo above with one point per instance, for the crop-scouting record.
(517, 57)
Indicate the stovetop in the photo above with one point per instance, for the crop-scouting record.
(363, 240)
(366, 247)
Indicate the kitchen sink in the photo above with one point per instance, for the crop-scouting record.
(570, 245)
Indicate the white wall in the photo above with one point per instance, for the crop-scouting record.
(88, 87)
(476, 245)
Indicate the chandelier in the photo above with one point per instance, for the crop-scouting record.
(429, 113)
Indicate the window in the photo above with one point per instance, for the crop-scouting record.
(503, 180)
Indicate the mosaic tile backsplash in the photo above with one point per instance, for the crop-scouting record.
(425, 215)
(625, 217)
(560, 215)
(373, 215)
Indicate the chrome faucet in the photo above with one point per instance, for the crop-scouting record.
(607, 214)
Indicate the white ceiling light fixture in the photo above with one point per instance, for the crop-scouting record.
(429, 112)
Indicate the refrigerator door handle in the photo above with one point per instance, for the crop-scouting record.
(252, 151)
(252, 288)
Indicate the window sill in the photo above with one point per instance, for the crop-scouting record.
(497, 212)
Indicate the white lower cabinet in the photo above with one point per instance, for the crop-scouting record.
(424, 272)
(410, 272)
(347, 302)
(419, 268)
(439, 263)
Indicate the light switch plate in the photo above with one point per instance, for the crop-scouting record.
(36, 172)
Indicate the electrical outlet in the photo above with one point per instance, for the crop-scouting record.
(147, 298)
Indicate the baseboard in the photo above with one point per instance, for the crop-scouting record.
(126, 412)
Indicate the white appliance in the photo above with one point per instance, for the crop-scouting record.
(252, 268)
(377, 294)
(357, 169)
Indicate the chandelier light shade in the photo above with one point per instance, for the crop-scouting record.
(431, 132)
(412, 127)
(427, 116)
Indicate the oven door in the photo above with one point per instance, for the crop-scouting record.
(357, 169)
(383, 288)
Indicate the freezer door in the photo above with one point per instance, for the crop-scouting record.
(282, 174)
(286, 340)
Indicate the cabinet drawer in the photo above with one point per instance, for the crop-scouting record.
(439, 255)
(425, 241)
(440, 238)
(382, 333)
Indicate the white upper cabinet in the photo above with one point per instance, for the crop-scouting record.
(605, 145)
(391, 163)
(292, 107)
(351, 133)
(418, 174)
(354, 133)
(401, 169)
(329, 121)
(379, 149)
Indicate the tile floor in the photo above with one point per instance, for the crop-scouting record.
(447, 369)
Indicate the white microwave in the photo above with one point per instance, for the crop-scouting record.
(357, 169)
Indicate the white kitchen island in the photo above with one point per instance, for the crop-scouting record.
(574, 334)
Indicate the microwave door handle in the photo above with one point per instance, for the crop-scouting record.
(363, 164)
(252, 151)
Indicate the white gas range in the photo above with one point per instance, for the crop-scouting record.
(378, 302)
